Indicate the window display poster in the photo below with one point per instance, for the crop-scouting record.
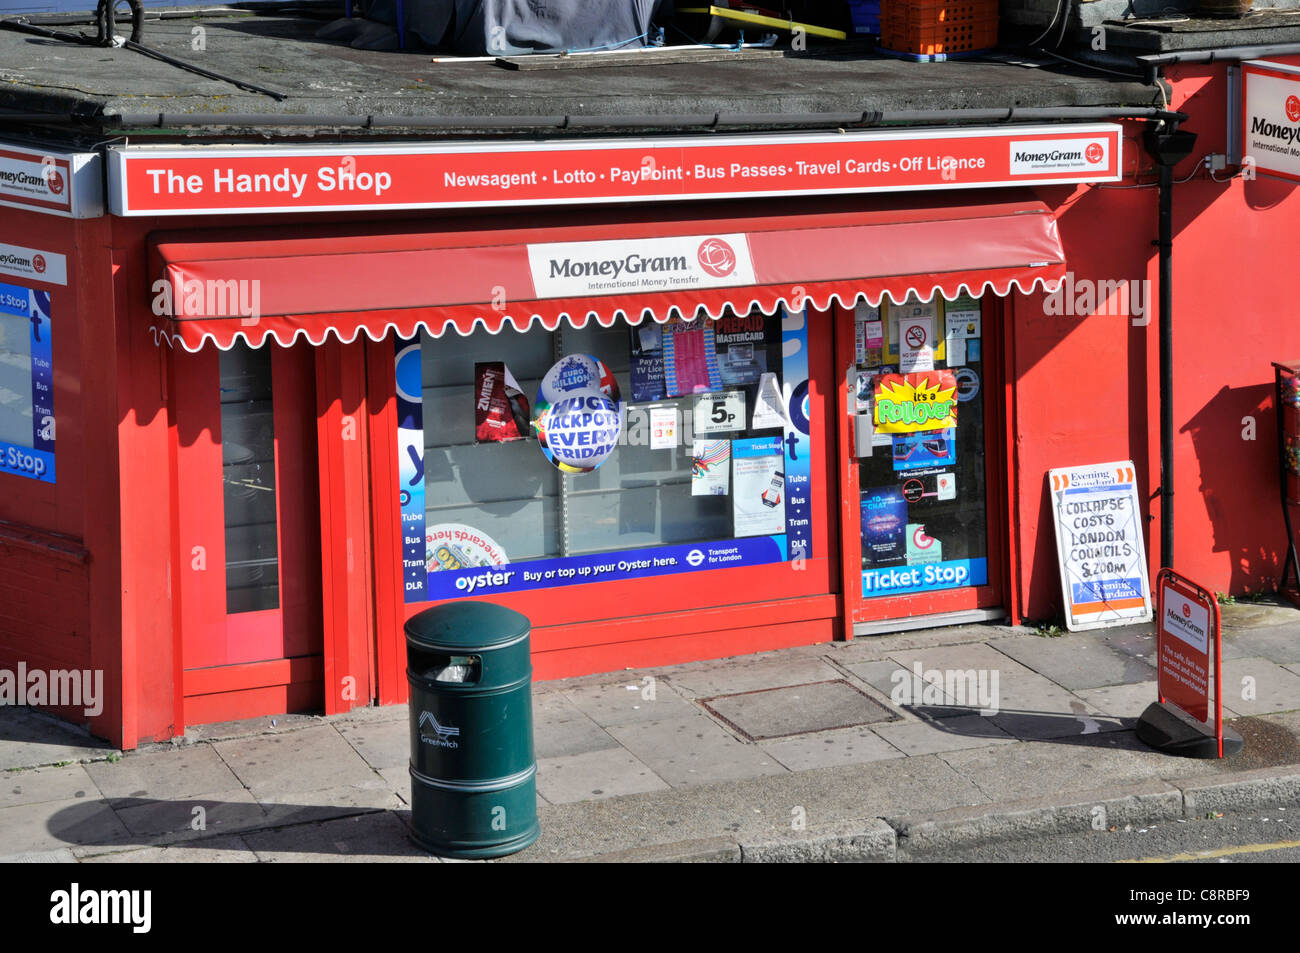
(690, 360)
(663, 428)
(745, 346)
(911, 309)
(416, 562)
(921, 547)
(884, 526)
(720, 413)
(790, 514)
(916, 352)
(710, 468)
(925, 449)
(647, 362)
(501, 410)
(759, 486)
(905, 403)
(26, 373)
(769, 410)
(452, 546)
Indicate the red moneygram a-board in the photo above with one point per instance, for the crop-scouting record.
(1188, 633)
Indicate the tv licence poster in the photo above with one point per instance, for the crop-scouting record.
(426, 580)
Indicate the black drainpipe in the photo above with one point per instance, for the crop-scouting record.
(1168, 145)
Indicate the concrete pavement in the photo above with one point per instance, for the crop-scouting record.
(815, 753)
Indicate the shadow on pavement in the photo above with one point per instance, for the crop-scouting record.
(274, 828)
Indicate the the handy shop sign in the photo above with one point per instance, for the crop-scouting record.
(1099, 542)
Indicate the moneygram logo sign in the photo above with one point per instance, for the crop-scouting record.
(22, 262)
(1038, 156)
(1293, 108)
(24, 177)
(569, 269)
(717, 257)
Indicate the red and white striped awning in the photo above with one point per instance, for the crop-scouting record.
(601, 266)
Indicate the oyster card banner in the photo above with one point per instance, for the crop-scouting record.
(148, 180)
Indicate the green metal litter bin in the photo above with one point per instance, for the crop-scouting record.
(473, 774)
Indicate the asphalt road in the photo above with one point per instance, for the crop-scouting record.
(1267, 835)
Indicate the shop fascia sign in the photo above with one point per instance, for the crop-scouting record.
(55, 183)
(1270, 118)
(197, 180)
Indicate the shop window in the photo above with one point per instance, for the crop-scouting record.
(26, 384)
(922, 470)
(702, 474)
(248, 478)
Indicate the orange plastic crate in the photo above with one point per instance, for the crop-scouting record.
(929, 27)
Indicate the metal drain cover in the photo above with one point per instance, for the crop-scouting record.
(797, 709)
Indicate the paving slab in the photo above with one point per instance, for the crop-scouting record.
(309, 759)
(561, 728)
(368, 714)
(694, 750)
(298, 807)
(381, 744)
(378, 837)
(164, 774)
(1074, 661)
(1137, 804)
(60, 856)
(1203, 793)
(771, 713)
(1081, 719)
(251, 727)
(33, 785)
(870, 841)
(1008, 773)
(948, 734)
(608, 772)
(1257, 615)
(1275, 688)
(628, 701)
(1126, 702)
(748, 676)
(50, 825)
(873, 647)
(398, 780)
(157, 821)
(1029, 705)
(213, 850)
(751, 809)
(30, 738)
(1280, 643)
(827, 748)
(1137, 640)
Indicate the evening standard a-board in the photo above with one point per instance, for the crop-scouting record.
(1099, 545)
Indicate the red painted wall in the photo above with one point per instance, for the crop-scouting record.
(58, 562)
(1088, 388)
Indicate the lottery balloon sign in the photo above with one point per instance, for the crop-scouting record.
(578, 415)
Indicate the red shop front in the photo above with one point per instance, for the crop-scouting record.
(326, 405)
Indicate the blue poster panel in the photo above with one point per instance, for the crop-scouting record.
(27, 381)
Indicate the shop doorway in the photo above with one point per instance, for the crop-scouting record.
(249, 606)
(921, 463)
